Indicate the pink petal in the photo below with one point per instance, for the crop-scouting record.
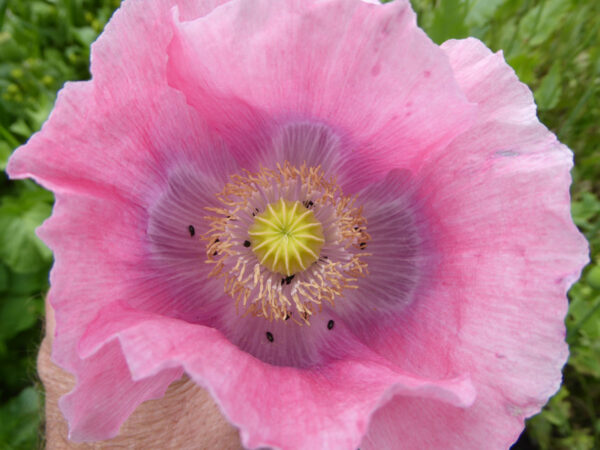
(92, 140)
(315, 144)
(264, 61)
(337, 398)
(99, 405)
(91, 253)
(120, 57)
(97, 240)
(508, 249)
(398, 256)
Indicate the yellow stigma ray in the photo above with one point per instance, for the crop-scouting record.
(286, 238)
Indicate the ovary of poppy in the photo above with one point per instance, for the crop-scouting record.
(430, 315)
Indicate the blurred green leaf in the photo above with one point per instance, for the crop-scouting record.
(524, 65)
(449, 21)
(580, 439)
(16, 314)
(543, 20)
(85, 35)
(559, 409)
(540, 430)
(8, 137)
(20, 249)
(20, 421)
(39, 115)
(3, 6)
(585, 209)
(585, 357)
(9, 48)
(481, 11)
(5, 152)
(557, 413)
(23, 284)
(548, 94)
(3, 278)
(593, 277)
(21, 128)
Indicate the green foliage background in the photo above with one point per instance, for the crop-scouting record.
(552, 44)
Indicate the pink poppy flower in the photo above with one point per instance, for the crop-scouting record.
(349, 235)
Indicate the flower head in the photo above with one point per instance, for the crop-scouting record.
(349, 235)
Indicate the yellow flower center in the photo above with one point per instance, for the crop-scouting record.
(278, 259)
(286, 238)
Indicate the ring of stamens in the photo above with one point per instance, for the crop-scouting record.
(265, 207)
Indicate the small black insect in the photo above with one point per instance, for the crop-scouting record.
(270, 337)
(308, 203)
(356, 228)
(247, 244)
(287, 316)
(330, 324)
(215, 253)
(363, 245)
(256, 211)
(287, 280)
(192, 230)
(217, 240)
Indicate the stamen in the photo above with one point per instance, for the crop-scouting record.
(283, 240)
